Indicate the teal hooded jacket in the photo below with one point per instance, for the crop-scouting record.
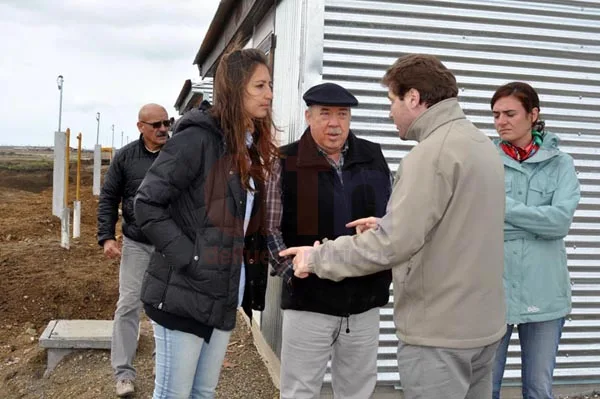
(542, 194)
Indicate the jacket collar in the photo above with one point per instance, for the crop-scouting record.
(549, 149)
(434, 117)
(309, 156)
(145, 149)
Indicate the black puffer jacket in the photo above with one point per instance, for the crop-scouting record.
(124, 176)
(191, 206)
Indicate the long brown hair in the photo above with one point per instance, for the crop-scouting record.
(231, 78)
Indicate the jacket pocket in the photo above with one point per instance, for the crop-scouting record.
(541, 190)
(545, 285)
(399, 274)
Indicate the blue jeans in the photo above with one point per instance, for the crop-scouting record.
(186, 366)
(539, 346)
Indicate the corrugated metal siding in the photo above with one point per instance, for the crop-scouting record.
(555, 46)
(287, 117)
(205, 87)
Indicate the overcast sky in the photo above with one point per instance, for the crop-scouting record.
(114, 55)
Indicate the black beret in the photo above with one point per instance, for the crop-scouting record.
(329, 94)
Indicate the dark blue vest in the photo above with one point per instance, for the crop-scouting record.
(317, 205)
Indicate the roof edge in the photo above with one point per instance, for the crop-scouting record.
(185, 90)
(215, 30)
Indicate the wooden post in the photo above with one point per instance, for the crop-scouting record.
(65, 216)
(77, 203)
(78, 181)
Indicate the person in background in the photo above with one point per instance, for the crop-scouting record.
(121, 182)
(325, 180)
(201, 205)
(542, 193)
(205, 105)
(441, 236)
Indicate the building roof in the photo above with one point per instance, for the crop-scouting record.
(232, 17)
(191, 91)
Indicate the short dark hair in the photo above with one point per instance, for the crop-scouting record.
(526, 95)
(424, 73)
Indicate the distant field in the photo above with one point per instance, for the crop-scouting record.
(17, 158)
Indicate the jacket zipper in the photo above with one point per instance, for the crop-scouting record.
(164, 294)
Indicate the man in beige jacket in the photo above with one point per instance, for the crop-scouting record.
(442, 236)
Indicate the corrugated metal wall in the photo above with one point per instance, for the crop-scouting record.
(287, 116)
(555, 46)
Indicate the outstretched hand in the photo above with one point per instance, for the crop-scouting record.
(364, 224)
(300, 261)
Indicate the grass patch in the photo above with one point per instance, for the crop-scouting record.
(22, 165)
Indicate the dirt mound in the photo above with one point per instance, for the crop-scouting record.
(41, 281)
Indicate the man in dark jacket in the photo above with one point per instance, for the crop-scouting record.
(327, 179)
(126, 172)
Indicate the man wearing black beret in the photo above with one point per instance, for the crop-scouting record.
(442, 235)
(325, 180)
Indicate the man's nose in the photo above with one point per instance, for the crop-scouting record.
(334, 120)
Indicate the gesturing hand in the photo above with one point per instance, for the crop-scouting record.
(300, 261)
(364, 224)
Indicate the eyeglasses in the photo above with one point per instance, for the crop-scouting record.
(156, 125)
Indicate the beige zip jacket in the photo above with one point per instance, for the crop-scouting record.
(442, 236)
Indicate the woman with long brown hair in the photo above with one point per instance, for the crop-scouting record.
(201, 206)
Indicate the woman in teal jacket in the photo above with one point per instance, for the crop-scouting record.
(542, 192)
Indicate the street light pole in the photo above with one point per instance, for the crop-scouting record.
(112, 143)
(59, 82)
(98, 128)
(121, 139)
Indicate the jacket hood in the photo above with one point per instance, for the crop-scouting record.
(196, 118)
(446, 111)
(550, 142)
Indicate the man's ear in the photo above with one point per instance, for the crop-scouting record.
(415, 97)
(307, 114)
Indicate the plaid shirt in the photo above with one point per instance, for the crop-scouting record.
(282, 266)
(336, 165)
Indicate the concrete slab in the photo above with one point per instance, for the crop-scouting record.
(77, 334)
(62, 337)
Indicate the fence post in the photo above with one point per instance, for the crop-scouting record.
(58, 185)
(64, 220)
(77, 203)
(97, 169)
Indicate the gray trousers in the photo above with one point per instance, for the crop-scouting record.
(310, 340)
(135, 257)
(433, 373)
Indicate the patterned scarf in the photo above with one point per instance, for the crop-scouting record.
(521, 154)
